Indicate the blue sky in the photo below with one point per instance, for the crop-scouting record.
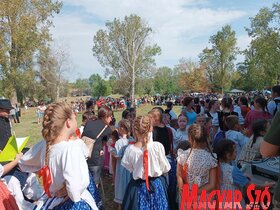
(182, 28)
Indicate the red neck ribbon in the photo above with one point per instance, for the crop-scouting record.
(78, 133)
(146, 168)
(45, 173)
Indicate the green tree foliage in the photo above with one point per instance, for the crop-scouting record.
(24, 28)
(99, 86)
(165, 81)
(124, 51)
(219, 59)
(261, 67)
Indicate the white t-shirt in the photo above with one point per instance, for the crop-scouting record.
(157, 161)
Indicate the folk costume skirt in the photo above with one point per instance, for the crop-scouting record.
(137, 196)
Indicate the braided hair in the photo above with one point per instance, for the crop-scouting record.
(142, 126)
(54, 118)
(198, 134)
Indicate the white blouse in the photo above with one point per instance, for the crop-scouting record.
(68, 168)
(157, 161)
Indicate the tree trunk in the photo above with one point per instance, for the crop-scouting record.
(133, 88)
(57, 93)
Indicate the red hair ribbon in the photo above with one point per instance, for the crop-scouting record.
(45, 173)
(146, 168)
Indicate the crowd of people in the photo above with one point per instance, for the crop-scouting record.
(151, 156)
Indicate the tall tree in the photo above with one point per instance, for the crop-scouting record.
(219, 59)
(123, 49)
(24, 26)
(53, 64)
(262, 57)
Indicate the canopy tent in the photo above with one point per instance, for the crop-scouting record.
(236, 91)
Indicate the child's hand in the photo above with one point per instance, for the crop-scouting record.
(18, 156)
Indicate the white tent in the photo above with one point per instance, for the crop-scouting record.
(236, 91)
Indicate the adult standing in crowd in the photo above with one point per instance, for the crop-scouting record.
(188, 110)
(227, 108)
(272, 106)
(101, 128)
(259, 112)
(5, 126)
(270, 147)
(169, 111)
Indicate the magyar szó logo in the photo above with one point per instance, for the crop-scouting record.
(224, 199)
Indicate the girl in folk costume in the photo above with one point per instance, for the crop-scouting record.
(148, 164)
(163, 134)
(123, 176)
(231, 177)
(7, 201)
(198, 164)
(66, 179)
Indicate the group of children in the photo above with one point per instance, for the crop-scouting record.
(150, 159)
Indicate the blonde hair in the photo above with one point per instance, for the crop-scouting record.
(54, 118)
(142, 126)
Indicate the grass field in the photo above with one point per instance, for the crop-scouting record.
(28, 127)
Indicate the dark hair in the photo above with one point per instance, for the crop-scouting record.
(132, 109)
(104, 112)
(202, 103)
(187, 100)
(276, 89)
(262, 102)
(196, 100)
(88, 115)
(125, 113)
(223, 147)
(89, 104)
(184, 145)
(115, 134)
(227, 103)
(257, 127)
(243, 100)
(211, 104)
(169, 104)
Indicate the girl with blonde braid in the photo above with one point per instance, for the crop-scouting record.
(148, 164)
(61, 163)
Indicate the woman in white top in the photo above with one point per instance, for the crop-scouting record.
(148, 164)
(63, 161)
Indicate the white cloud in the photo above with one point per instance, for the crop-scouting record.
(177, 26)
